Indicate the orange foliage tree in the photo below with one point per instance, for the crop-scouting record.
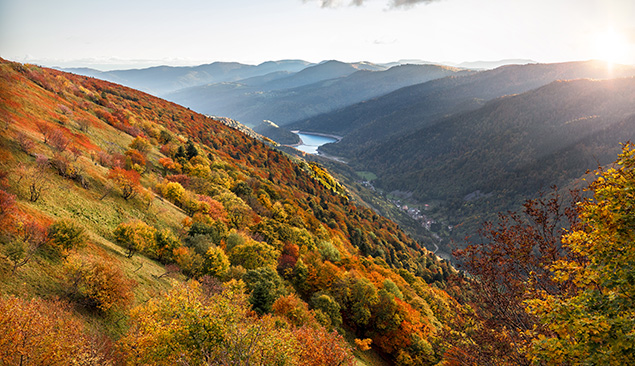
(126, 180)
(39, 332)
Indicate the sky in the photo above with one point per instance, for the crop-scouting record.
(110, 34)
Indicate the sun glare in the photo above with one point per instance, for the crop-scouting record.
(611, 46)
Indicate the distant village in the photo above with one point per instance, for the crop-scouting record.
(413, 212)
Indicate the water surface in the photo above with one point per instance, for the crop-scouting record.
(311, 142)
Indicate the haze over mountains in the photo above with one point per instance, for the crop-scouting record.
(438, 133)
(281, 91)
(164, 79)
(315, 90)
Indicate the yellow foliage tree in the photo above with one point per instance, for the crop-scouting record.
(595, 325)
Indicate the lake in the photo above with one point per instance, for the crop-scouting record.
(311, 142)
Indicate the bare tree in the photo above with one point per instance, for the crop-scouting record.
(59, 140)
(34, 177)
(25, 143)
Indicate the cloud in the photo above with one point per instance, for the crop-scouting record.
(331, 3)
(391, 3)
(410, 3)
(384, 41)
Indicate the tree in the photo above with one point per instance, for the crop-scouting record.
(254, 254)
(172, 191)
(39, 332)
(594, 324)
(359, 297)
(59, 140)
(216, 262)
(328, 251)
(140, 144)
(29, 238)
(165, 244)
(136, 161)
(510, 265)
(319, 347)
(135, 236)
(294, 310)
(46, 130)
(266, 286)
(188, 327)
(191, 150)
(126, 180)
(35, 176)
(300, 276)
(189, 261)
(327, 305)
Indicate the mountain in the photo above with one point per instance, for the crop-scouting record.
(411, 108)
(491, 159)
(277, 134)
(136, 231)
(160, 80)
(332, 85)
(327, 70)
(493, 64)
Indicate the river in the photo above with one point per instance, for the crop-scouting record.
(311, 141)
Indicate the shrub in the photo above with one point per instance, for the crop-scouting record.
(66, 235)
(135, 236)
(216, 262)
(99, 282)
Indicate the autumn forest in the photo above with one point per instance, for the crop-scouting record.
(135, 231)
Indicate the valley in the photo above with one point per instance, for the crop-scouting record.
(384, 114)
(317, 183)
(345, 238)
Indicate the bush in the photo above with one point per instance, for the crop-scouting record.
(135, 236)
(66, 235)
(99, 282)
(216, 262)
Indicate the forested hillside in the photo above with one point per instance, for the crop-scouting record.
(315, 90)
(150, 234)
(492, 159)
(419, 106)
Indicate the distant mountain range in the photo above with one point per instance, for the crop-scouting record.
(484, 65)
(514, 145)
(160, 80)
(419, 106)
(318, 89)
